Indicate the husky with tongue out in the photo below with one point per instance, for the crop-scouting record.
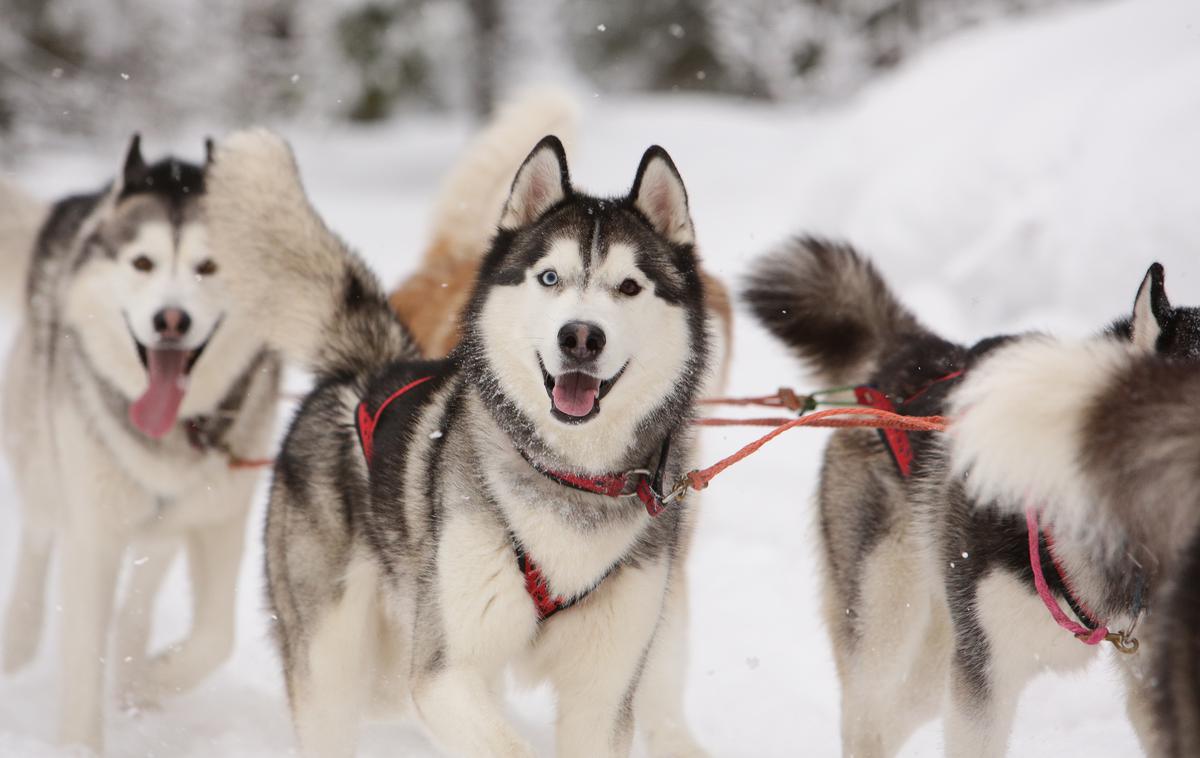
(132, 383)
(434, 524)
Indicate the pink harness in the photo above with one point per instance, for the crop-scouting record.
(1081, 632)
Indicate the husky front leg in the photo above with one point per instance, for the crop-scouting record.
(149, 562)
(90, 559)
(214, 558)
(601, 648)
(659, 703)
(471, 621)
(24, 617)
(328, 667)
(461, 709)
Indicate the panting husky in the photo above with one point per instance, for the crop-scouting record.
(930, 595)
(431, 300)
(132, 383)
(1104, 439)
(433, 524)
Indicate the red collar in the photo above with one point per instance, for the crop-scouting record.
(641, 482)
(1088, 629)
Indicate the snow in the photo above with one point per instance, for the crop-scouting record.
(1022, 175)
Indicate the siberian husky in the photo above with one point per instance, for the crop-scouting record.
(132, 384)
(431, 300)
(433, 524)
(1104, 438)
(929, 594)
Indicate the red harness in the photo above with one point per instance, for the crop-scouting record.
(609, 485)
(1089, 631)
(897, 439)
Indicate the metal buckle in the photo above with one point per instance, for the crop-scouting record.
(678, 492)
(632, 477)
(1124, 642)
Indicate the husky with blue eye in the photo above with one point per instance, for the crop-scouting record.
(434, 524)
(132, 384)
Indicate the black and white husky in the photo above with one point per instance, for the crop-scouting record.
(1108, 448)
(433, 524)
(132, 382)
(929, 594)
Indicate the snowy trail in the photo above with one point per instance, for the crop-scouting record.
(1019, 176)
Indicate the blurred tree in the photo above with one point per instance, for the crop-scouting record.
(105, 67)
(487, 44)
(785, 49)
(644, 44)
(271, 81)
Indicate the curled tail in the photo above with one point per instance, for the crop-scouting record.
(302, 287)
(20, 219)
(830, 306)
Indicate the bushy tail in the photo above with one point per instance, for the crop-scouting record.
(1101, 437)
(20, 218)
(830, 306)
(471, 197)
(307, 293)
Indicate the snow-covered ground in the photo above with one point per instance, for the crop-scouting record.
(1022, 175)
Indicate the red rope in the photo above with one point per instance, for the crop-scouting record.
(240, 463)
(862, 417)
(784, 398)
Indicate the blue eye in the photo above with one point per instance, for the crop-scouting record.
(548, 278)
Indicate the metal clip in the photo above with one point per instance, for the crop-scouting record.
(1123, 642)
(678, 491)
(632, 477)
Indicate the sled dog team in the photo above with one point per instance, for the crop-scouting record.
(474, 483)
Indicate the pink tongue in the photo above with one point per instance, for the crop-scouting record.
(155, 411)
(575, 393)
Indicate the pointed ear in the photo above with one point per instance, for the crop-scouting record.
(1151, 309)
(209, 151)
(659, 194)
(541, 183)
(134, 166)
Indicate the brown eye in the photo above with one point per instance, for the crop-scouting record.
(206, 267)
(142, 263)
(629, 287)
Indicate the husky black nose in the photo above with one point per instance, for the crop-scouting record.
(172, 323)
(581, 340)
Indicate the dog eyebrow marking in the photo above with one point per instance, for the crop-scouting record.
(594, 252)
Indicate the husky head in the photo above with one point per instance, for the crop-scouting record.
(586, 334)
(145, 295)
(1157, 326)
